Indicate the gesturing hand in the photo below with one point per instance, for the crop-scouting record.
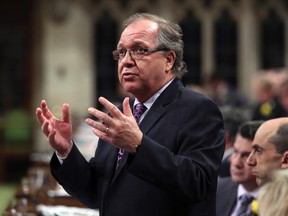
(58, 132)
(117, 128)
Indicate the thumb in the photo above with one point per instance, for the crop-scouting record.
(126, 107)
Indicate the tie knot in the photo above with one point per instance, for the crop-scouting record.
(139, 109)
(246, 199)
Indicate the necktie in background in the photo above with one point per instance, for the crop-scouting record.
(139, 109)
(245, 201)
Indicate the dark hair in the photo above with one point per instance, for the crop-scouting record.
(249, 128)
(280, 138)
(169, 36)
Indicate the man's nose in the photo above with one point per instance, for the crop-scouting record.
(127, 56)
(251, 160)
(237, 160)
(128, 60)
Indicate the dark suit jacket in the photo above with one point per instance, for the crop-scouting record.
(173, 173)
(226, 198)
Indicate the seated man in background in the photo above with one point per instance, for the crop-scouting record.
(270, 149)
(231, 190)
(233, 118)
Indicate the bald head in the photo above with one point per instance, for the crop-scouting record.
(274, 131)
(273, 124)
(270, 149)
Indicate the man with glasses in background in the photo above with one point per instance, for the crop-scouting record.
(160, 158)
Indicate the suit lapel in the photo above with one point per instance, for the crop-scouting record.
(160, 106)
(154, 113)
(151, 118)
(230, 201)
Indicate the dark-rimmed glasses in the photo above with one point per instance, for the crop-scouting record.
(135, 52)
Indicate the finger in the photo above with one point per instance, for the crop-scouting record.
(45, 128)
(126, 107)
(113, 110)
(45, 110)
(39, 116)
(99, 115)
(66, 113)
(102, 135)
(94, 124)
(51, 138)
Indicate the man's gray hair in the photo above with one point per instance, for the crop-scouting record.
(169, 36)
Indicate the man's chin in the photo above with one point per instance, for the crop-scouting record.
(130, 88)
(237, 179)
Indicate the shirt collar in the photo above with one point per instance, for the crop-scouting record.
(242, 190)
(152, 99)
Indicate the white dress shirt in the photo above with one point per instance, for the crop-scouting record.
(241, 190)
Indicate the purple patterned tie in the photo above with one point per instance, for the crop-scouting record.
(139, 109)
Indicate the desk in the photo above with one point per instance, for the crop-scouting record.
(35, 192)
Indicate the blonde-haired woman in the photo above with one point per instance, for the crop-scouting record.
(273, 195)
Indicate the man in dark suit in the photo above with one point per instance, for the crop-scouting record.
(232, 118)
(231, 189)
(167, 164)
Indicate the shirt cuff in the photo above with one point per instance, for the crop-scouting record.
(60, 159)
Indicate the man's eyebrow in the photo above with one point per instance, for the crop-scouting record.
(255, 145)
(242, 152)
(134, 44)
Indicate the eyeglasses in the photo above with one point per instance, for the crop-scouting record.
(135, 52)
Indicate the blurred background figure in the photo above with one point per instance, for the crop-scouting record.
(224, 93)
(233, 118)
(242, 182)
(278, 76)
(273, 195)
(283, 96)
(267, 104)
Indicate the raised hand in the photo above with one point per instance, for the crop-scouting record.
(58, 132)
(117, 128)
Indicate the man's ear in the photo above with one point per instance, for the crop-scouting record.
(171, 57)
(284, 163)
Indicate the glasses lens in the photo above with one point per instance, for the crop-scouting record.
(138, 52)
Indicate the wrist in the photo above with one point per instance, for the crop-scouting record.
(64, 154)
(60, 156)
(135, 149)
